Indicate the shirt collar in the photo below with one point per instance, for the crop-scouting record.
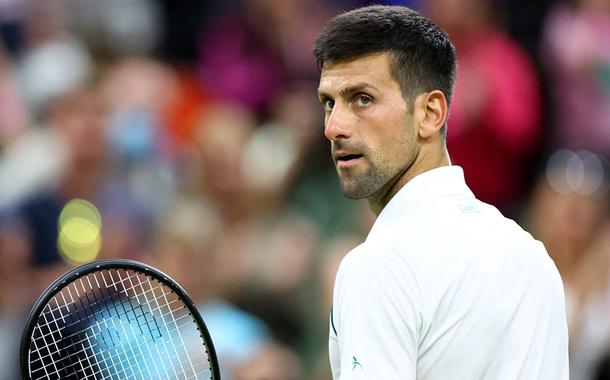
(438, 182)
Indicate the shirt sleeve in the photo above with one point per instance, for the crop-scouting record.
(375, 320)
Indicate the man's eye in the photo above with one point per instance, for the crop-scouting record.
(362, 100)
(328, 105)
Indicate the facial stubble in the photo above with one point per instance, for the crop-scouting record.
(380, 173)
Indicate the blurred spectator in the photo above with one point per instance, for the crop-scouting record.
(137, 92)
(247, 55)
(55, 61)
(52, 63)
(569, 214)
(278, 150)
(78, 122)
(576, 53)
(116, 27)
(244, 169)
(493, 126)
(221, 136)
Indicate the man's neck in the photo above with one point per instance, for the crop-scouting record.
(423, 163)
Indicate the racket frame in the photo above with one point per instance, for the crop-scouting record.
(99, 265)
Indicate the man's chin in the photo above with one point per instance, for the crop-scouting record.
(353, 196)
(353, 192)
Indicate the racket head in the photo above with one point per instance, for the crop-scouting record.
(78, 328)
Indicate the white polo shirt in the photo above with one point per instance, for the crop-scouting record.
(445, 287)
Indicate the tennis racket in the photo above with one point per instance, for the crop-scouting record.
(116, 319)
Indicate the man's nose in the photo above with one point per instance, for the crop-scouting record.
(338, 125)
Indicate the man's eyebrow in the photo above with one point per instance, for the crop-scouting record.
(323, 96)
(356, 88)
(349, 90)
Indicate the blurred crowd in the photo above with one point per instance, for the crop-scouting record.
(193, 129)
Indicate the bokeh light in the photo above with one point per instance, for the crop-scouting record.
(79, 238)
(581, 172)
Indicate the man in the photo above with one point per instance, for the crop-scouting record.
(444, 287)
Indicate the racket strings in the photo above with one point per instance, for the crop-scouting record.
(51, 311)
(112, 367)
(85, 318)
(142, 338)
(139, 326)
(96, 335)
(165, 325)
(114, 370)
(140, 351)
(123, 313)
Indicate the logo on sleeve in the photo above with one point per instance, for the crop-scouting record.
(355, 363)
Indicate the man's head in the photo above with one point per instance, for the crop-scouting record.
(422, 58)
(387, 77)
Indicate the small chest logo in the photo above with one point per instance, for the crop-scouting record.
(355, 363)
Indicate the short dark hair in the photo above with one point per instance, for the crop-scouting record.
(422, 57)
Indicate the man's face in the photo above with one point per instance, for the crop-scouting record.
(369, 124)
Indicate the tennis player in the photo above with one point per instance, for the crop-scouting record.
(444, 287)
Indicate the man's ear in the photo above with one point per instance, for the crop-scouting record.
(433, 110)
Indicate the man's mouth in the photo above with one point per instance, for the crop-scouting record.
(347, 159)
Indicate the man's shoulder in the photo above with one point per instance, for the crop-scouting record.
(437, 221)
(453, 228)
(458, 218)
(375, 261)
(361, 255)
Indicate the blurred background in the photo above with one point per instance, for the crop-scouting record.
(188, 135)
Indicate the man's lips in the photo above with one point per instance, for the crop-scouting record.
(344, 158)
